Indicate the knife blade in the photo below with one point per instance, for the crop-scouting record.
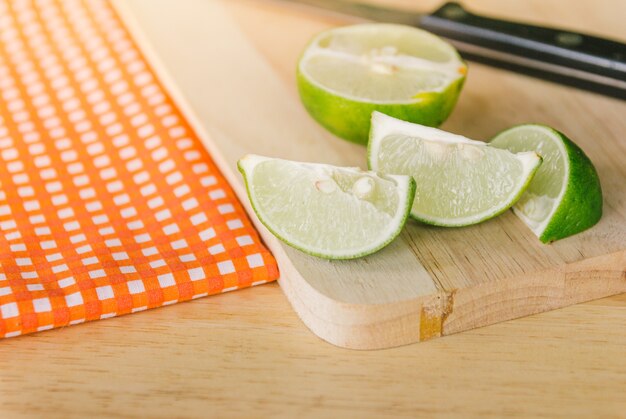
(558, 55)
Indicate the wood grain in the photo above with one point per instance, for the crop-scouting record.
(413, 289)
(246, 354)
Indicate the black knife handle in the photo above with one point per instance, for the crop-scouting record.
(566, 57)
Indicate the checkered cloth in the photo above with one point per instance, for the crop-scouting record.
(109, 204)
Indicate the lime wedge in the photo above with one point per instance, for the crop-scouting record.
(346, 73)
(459, 181)
(565, 196)
(326, 211)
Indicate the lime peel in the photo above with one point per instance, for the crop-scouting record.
(565, 197)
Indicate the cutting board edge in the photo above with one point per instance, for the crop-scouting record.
(379, 326)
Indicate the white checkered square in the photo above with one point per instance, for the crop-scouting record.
(244, 240)
(207, 234)
(226, 267)
(234, 224)
(41, 305)
(255, 260)
(105, 292)
(136, 286)
(217, 249)
(66, 282)
(166, 280)
(9, 310)
(74, 299)
(196, 274)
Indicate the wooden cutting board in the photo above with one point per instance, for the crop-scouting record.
(430, 281)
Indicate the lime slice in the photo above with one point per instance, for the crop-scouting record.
(565, 196)
(326, 211)
(346, 73)
(459, 181)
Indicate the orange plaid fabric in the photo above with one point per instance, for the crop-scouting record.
(109, 204)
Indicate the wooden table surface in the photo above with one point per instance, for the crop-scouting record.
(246, 354)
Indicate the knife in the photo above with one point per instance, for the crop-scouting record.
(562, 56)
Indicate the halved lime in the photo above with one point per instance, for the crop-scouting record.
(565, 196)
(459, 181)
(346, 73)
(327, 211)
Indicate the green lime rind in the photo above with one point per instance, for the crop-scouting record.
(410, 194)
(350, 119)
(581, 204)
